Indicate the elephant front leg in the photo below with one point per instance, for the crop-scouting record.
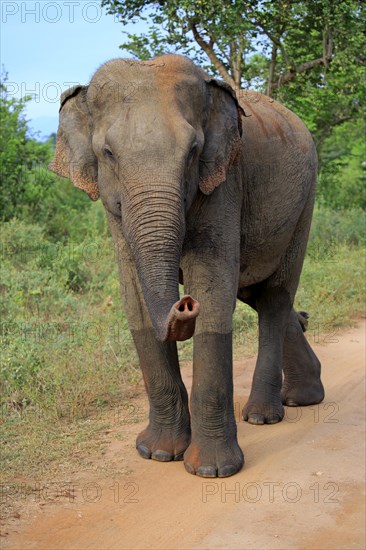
(214, 450)
(211, 271)
(264, 405)
(168, 433)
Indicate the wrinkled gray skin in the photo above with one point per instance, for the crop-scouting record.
(199, 189)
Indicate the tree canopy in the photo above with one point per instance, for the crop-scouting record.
(309, 54)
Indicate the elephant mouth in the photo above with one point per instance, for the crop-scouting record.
(181, 320)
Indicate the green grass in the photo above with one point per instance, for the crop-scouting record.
(67, 354)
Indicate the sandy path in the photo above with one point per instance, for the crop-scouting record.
(302, 486)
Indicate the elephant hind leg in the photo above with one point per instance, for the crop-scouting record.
(301, 367)
(264, 405)
(301, 385)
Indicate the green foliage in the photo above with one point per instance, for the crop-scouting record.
(331, 227)
(23, 181)
(308, 55)
(28, 189)
(171, 25)
(232, 34)
(329, 95)
(342, 180)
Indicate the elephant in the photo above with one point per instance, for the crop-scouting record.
(212, 190)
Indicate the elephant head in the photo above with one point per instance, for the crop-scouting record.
(147, 137)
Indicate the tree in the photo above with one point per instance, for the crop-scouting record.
(342, 181)
(28, 189)
(20, 154)
(308, 54)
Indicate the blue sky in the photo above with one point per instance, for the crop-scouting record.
(48, 46)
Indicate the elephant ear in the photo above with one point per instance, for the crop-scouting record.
(74, 157)
(222, 135)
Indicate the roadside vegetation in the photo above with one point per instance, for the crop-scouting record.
(67, 361)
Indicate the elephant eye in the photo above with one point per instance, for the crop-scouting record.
(192, 153)
(107, 152)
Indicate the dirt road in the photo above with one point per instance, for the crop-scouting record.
(302, 486)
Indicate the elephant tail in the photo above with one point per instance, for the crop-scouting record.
(303, 317)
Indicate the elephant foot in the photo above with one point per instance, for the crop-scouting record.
(306, 393)
(214, 458)
(261, 409)
(302, 370)
(163, 444)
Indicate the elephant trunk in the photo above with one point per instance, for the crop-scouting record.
(155, 227)
(181, 319)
